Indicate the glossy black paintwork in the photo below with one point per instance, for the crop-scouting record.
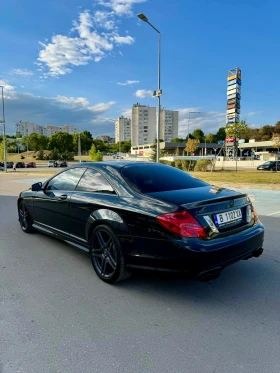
(72, 215)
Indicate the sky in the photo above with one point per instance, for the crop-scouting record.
(86, 62)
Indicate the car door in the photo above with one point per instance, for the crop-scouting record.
(92, 192)
(51, 204)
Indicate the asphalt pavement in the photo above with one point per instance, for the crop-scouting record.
(57, 316)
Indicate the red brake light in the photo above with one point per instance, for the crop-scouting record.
(182, 223)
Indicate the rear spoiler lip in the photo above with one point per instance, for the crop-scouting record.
(213, 201)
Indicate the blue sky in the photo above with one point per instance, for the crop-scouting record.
(86, 62)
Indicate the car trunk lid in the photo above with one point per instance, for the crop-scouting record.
(220, 211)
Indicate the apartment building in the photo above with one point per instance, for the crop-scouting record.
(143, 124)
(122, 129)
(26, 128)
(169, 120)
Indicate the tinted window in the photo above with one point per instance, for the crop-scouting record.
(66, 180)
(158, 178)
(93, 181)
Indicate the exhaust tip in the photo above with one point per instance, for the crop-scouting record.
(209, 275)
(258, 252)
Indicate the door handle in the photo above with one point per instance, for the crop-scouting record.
(63, 196)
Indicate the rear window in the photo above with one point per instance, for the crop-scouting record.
(152, 178)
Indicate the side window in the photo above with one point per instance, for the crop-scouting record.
(93, 181)
(67, 180)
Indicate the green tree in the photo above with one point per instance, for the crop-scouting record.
(198, 134)
(210, 138)
(238, 130)
(43, 142)
(266, 132)
(221, 134)
(86, 141)
(277, 128)
(62, 141)
(54, 154)
(177, 139)
(100, 145)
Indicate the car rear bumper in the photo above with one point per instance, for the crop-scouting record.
(198, 256)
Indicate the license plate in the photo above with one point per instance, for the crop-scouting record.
(228, 217)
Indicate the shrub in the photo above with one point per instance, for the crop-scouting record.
(98, 157)
(168, 163)
(178, 164)
(203, 165)
(40, 155)
(22, 157)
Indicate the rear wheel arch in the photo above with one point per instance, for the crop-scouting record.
(107, 217)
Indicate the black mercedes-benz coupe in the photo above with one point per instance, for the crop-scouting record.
(144, 215)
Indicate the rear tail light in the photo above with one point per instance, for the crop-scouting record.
(251, 214)
(182, 223)
(256, 218)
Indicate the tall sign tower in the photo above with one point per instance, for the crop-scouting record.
(233, 95)
(233, 104)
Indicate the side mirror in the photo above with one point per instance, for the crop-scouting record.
(36, 187)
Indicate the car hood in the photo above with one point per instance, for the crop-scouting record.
(186, 196)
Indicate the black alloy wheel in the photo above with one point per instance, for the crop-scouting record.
(106, 255)
(25, 218)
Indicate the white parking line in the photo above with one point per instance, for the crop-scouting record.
(273, 213)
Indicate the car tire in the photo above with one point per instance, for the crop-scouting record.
(25, 219)
(106, 255)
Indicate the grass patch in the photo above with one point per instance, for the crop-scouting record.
(241, 177)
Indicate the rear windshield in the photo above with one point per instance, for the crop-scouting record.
(152, 178)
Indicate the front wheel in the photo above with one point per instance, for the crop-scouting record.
(25, 219)
(106, 255)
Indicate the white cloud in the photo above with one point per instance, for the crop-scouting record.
(104, 19)
(129, 82)
(121, 7)
(62, 52)
(143, 93)
(95, 37)
(124, 39)
(7, 87)
(74, 103)
(127, 113)
(208, 122)
(102, 107)
(252, 113)
(23, 72)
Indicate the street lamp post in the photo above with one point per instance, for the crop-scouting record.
(4, 129)
(157, 93)
(79, 147)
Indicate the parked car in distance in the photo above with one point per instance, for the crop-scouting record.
(269, 166)
(63, 164)
(52, 163)
(20, 165)
(10, 164)
(2, 168)
(125, 217)
(31, 165)
(82, 161)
